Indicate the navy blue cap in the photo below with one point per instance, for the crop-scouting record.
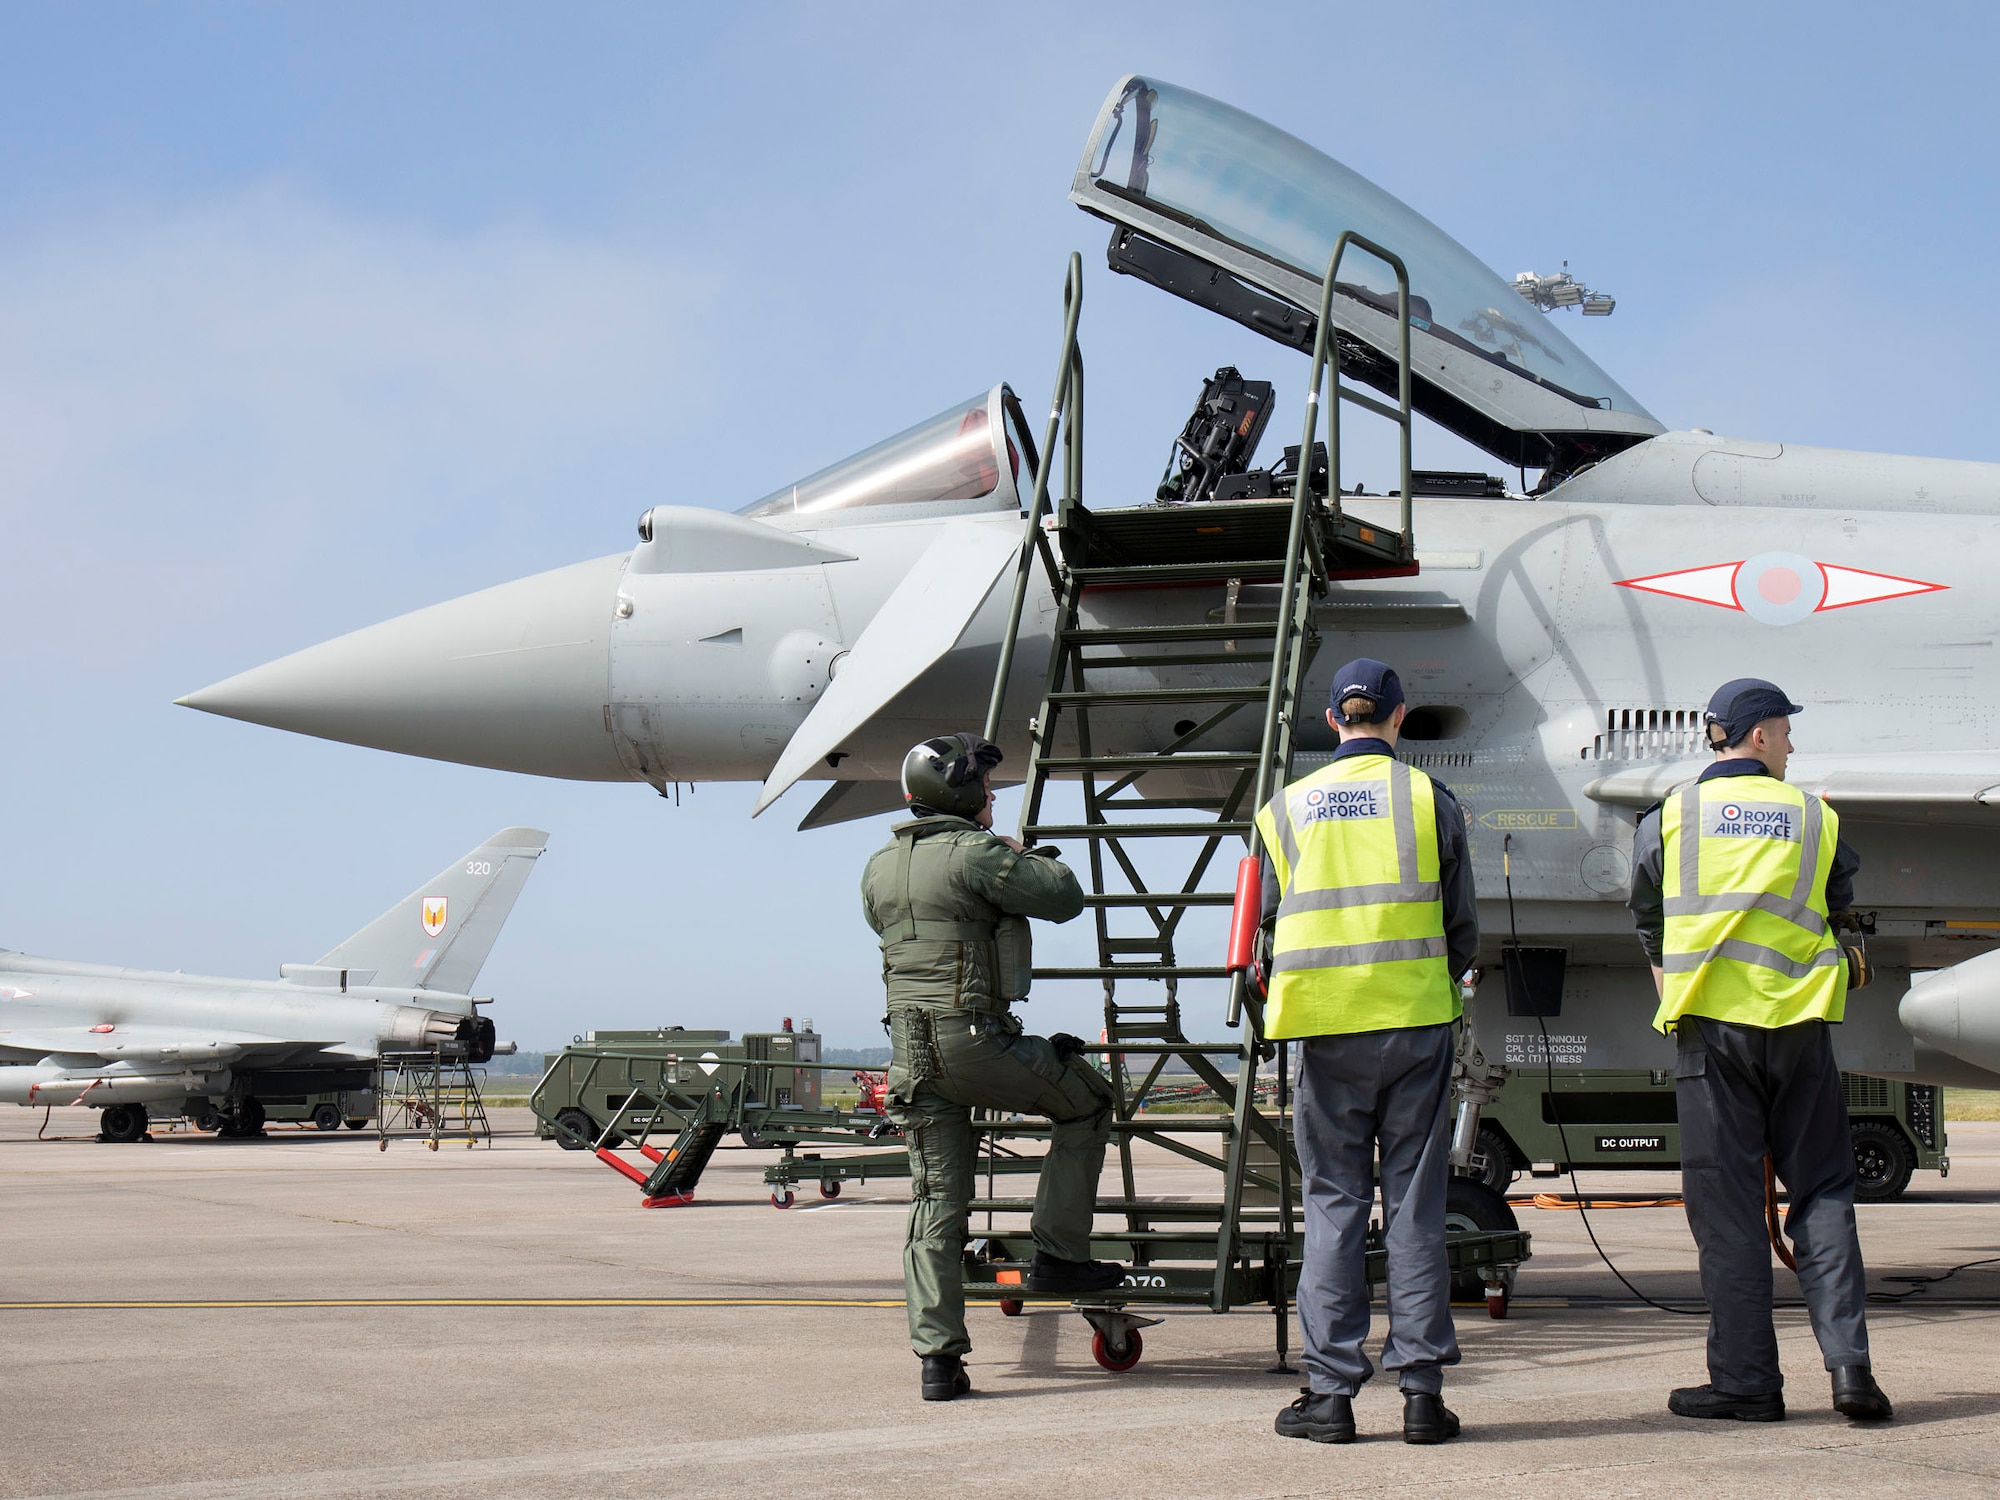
(1366, 678)
(1740, 706)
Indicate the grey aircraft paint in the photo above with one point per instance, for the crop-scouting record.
(1557, 647)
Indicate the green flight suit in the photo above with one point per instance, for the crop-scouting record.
(935, 895)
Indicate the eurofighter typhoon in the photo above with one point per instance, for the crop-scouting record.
(121, 1039)
(1556, 645)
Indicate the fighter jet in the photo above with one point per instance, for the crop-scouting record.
(1558, 642)
(121, 1039)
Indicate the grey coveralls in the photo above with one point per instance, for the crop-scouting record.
(1746, 1092)
(1390, 1090)
(935, 895)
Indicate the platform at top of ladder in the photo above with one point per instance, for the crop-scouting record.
(1203, 541)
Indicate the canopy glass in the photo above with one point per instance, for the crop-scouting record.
(969, 452)
(1234, 178)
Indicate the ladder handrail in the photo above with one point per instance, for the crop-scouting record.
(1069, 381)
(1326, 355)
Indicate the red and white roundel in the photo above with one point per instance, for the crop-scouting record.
(433, 913)
(1780, 588)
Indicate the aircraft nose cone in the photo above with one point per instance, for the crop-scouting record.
(513, 677)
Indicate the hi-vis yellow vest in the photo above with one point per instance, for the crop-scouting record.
(1744, 882)
(1360, 937)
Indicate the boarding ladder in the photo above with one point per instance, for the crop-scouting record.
(1176, 724)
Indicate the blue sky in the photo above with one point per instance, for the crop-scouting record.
(310, 315)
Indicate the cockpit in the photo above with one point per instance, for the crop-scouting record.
(966, 458)
(1230, 213)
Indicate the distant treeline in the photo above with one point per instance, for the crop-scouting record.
(858, 1057)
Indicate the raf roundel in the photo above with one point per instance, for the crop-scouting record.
(1780, 588)
(433, 914)
(1731, 812)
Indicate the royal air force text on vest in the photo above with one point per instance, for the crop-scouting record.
(1752, 820)
(1341, 803)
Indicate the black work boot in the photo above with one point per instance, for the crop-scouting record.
(1318, 1416)
(1426, 1419)
(1050, 1277)
(944, 1377)
(1856, 1395)
(1707, 1401)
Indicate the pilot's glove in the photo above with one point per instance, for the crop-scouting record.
(1067, 1046)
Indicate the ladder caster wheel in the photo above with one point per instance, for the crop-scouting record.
(783, 1200)
(1496, 1303)
(383, 1144)
(433, 1145)
(1117, 1359)
(829, 1187)
(1011, 1307)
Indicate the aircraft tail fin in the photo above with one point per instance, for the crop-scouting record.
(438, 936)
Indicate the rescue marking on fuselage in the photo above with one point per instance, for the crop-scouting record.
(1529, 819)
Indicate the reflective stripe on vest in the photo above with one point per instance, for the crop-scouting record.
(1360, 935)
(1746, 859)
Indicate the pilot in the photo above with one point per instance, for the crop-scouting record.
(1368, 873)
(1734, 877)
(951, 899)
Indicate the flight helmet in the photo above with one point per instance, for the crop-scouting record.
(948, 774)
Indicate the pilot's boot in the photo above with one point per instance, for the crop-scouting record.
(1707, 1401)
(1856, 1395)
(1050, 1277)
(945, 1378)
(1426, 1419)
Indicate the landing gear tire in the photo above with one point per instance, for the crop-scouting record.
(206, 1117)
(1012, 1307)
(1117, 1358)
(1497, 1169)
(577, 1132)
(326, 1117)
(1883, 1162)
(122, 1122)
(1470, 1206)
(829, 1187)
(243, 1120)
(783, 1199)
(357, 1124)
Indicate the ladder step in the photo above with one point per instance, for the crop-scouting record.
(1164, 899)
(1162, 804)
(1137, 971)
(1036, 832)
(1151, 945)
(1137, 635)
(1152, 760)
(1260, 659)
(1197, 572)
(1255, 693)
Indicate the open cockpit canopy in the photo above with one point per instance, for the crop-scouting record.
(1220, 208)
(967, 458)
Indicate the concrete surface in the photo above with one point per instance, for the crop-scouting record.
(777, 1371)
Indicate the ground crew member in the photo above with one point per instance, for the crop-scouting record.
(950, 899)
(1734, 878)
(1368, 873)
